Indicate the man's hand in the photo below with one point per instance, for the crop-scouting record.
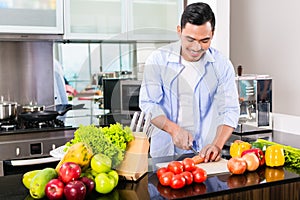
(210, 152)
(182, 138)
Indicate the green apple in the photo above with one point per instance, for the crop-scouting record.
(100, 163)
(114, 174)
(104, 183)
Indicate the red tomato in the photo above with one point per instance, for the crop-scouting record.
(188, 177)
(161, 171)
(188, 164)
(176, 167)
(166, 178)
(177, 182)
(199, 175)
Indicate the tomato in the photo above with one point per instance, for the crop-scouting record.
(176, 167)
(252, 161)
(166, 178)
(199, 175)
(188, 164)
(188, 177)
(237, 165)
(161, 171)
(177, 182)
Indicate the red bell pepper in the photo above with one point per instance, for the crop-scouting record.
(258, 152)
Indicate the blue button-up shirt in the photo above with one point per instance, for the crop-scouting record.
(215, 95)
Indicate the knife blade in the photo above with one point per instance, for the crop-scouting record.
(194, 150)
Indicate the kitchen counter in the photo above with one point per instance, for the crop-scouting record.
(264, 183)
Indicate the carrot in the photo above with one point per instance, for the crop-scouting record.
(198, 159)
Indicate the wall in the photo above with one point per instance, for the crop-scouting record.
(26, 72)
(264, 38)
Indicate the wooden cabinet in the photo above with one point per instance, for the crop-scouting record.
(31, 17)
(137, 20)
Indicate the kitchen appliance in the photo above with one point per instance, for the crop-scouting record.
(255, 120)
(255, 97)
(129, 95)
(26, 144)
(27, 139)
(121, 97)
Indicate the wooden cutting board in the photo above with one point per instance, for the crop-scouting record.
(210, 167)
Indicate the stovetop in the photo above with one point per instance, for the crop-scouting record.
(13, 126)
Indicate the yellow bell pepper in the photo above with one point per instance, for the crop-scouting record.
(237, 148)
(274, 156)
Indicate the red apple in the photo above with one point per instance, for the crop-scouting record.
(89, 184)
(54, 189)
(75, 190)
(69, 171)
(237, 165)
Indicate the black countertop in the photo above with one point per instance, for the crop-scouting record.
(264, 183)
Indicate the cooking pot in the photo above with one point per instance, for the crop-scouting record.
(7, 109)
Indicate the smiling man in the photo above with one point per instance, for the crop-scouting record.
(189, 88)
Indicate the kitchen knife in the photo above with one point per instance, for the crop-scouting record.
(194, 150)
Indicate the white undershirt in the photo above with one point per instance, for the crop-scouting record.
(186, 84)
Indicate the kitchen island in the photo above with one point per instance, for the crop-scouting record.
(264, 183)
(281, 184)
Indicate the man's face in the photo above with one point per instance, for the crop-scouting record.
(195, 40)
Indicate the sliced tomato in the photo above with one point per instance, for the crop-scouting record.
(199, 175)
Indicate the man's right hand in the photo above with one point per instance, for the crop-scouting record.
(181, 137)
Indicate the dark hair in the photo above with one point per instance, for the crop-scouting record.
(198, 14)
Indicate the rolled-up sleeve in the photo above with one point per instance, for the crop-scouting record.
(227, 97)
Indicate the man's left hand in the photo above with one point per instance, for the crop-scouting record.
(210, 152)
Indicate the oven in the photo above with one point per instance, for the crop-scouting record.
(24, 148)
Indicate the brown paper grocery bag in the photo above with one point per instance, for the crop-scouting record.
(135, 163)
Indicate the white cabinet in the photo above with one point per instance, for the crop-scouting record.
(154, 20)
(31, 16)
(122, 19)
(94, 19)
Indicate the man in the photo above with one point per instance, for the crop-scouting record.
(60, 94)
(189, 88)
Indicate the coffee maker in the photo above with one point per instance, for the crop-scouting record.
(255, 98)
